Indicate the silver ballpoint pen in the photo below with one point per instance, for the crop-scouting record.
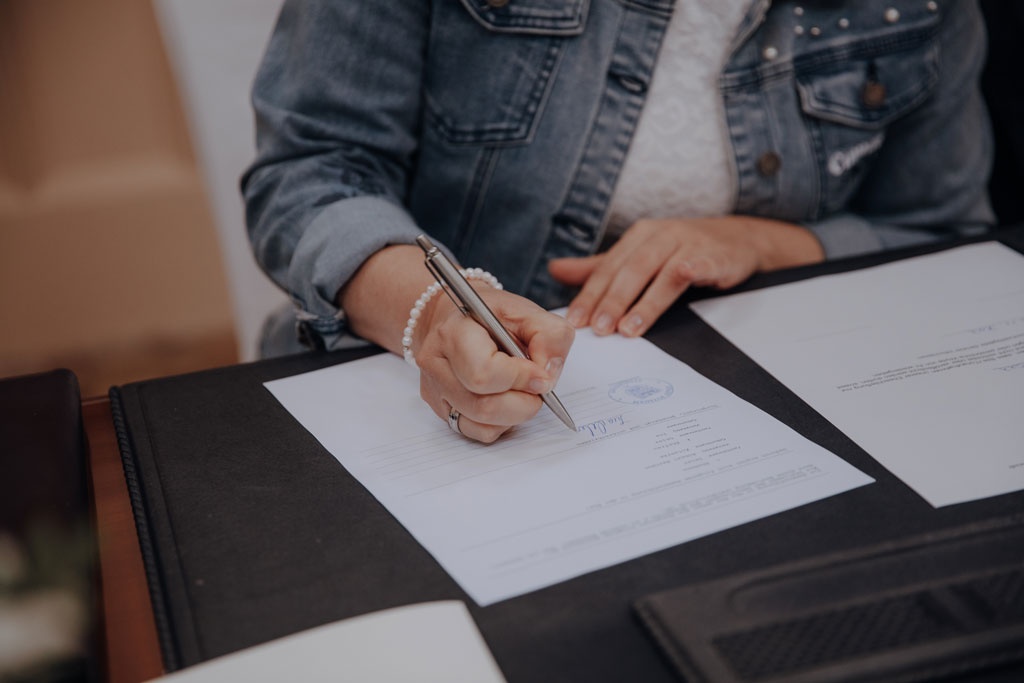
(470, 304)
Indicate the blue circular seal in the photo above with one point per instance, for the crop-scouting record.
(640, 390)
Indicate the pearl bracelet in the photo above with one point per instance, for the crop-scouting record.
(417, 310)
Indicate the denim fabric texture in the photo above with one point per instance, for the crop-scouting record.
(501, 131)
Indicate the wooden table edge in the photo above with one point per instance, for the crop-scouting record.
(129, 640)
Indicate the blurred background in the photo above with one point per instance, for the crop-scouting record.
(124, 127)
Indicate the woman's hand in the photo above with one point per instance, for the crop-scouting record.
(460, 365)
(628, 287)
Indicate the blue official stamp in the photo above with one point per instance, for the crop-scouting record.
(640, 391)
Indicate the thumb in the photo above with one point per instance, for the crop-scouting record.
(573, 271)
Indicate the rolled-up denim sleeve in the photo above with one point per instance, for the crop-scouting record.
(337, 105)
(929, 180)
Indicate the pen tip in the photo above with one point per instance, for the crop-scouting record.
(558, 409)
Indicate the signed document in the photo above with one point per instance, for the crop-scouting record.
(662, 455)
(921, 362)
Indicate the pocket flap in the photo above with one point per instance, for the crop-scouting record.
(537, 17)
(869, 89)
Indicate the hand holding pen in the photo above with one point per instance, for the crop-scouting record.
(480, 386)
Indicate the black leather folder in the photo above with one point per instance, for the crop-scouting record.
(251, 530)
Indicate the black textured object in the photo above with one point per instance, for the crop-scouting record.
(252, 531)
(1000, 85)
(938, 604)
(44, 469)
(44, 501)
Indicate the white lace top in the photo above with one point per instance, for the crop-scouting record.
(679, 163)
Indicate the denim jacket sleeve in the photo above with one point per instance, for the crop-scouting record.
(334, 149)
(946, 141)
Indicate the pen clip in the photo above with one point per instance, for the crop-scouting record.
(442, 282)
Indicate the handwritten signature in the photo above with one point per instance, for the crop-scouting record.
(601, 426)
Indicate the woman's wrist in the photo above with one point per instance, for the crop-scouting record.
(377, 298)
(440, 305)
(782, 245)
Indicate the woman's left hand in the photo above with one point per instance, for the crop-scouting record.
(628, 287)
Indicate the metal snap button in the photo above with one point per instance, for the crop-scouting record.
(873, 94)
(630, 83)
(768, 164)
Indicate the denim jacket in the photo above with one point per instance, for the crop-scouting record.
(499, 127)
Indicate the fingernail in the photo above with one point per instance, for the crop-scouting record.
(633, 325)
(604, 322)
(554, 367)
(576, 317)
(540, 386)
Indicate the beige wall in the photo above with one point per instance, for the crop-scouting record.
(108, 259)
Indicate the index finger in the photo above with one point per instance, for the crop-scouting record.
(484, 369)
(546, 336)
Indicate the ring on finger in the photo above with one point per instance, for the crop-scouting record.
(453, 420)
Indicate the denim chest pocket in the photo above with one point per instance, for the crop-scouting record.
(850, 96)
(490, 65)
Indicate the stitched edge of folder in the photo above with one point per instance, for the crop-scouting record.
(150, 563)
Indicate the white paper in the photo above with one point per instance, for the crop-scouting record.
(436, 642)
(921, 362)
(662, 456)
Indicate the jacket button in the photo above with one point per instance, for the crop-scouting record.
(873, 94)
(634, 85)
(496, 4)
(768, 164)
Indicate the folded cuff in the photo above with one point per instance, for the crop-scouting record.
(332, 248)
(848, 234)
(844, 235)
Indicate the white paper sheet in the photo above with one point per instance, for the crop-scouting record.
(662, 456)
(921, 362)
(433, 642)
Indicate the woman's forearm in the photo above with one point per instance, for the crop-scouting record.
(377, 299)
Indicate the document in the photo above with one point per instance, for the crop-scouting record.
(434, 642)
(921, 362)
(662, 455)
